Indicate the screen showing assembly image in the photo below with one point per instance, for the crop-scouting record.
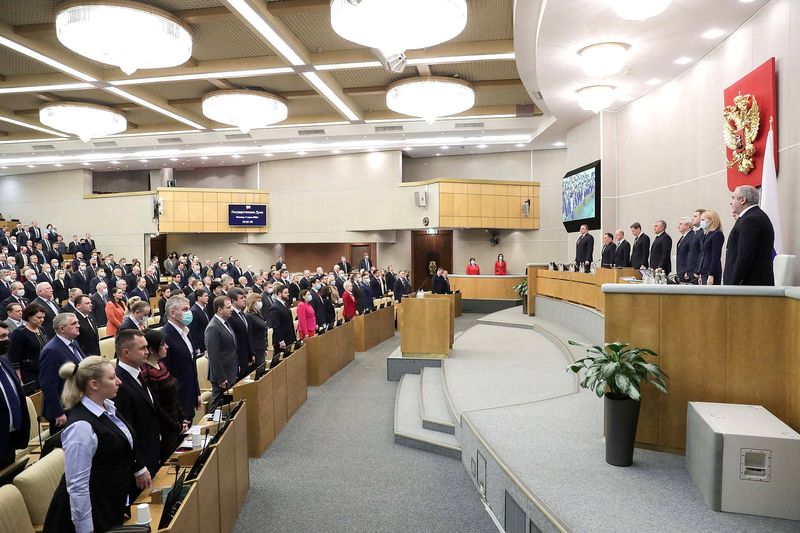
(580, 197)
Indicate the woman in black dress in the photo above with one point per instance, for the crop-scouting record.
(164, 388)
(162, 305)
(61, 286)
(256, 327)
(327, 299)
(27, 343)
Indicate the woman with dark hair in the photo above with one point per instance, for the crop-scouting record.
(326, 293)
(500, 266)
(164, 388)
(306, 318)
(27, 343)
(165, 293)
(116, 307)
(256, 327)
(99, 458)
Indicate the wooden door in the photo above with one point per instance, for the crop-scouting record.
(426, 247)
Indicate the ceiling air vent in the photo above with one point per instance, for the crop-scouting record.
(104, 144)
(311, 132)
(538, 95)
(237, 136)
(381, 129)
(41, 147)
(169, 140)
(470, 126)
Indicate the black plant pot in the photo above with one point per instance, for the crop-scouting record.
(621, 418)
(525, 304)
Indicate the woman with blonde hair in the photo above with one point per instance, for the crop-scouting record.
(256, 327)
(61, 286)
(710, 260)
(99, 459)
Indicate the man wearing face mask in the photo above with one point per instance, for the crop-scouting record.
(15, 425)
(17, 296)
(267, 300)
(180, 359)
(46, 274)
(99, 301)
(316, 302)
(30, 285)
(197, 328)
(80, 279)
(696, 246)
(365, 297)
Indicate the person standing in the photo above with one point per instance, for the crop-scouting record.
(661, 251)
(223, 361)
(306, 316)
(584, 247)
(500, 266)
(61, 349)
(197, 329)
(115, 311)
(710, 263)
(99, 453)
(344, 265)
(256, 328)
(15, 424)
(238, 323)
(280, 320)
(348, 302)
(640, 253)
(402, 287)
(608, 252)
(26, 344)
(366, 263)
(622, 256)
(693, 260)
(748, 260)
(472, 268)
(181, 353)
(88, 338)
(682, 269)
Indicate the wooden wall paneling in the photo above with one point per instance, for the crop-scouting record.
(793, 365)
(445, 204)
(208, 495)
(280, 413)
(460, 205)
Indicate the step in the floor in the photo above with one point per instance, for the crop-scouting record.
(433, 408)
(408, 428)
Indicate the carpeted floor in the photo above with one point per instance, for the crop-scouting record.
(335, 467)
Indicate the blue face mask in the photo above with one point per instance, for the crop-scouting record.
(187, 318)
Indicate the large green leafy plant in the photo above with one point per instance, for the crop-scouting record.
(617, 369)
(521, 289)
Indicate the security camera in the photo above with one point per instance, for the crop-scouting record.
(494, 238)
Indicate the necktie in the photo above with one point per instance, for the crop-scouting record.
(21, 302)
(76, 351)
(14, 406)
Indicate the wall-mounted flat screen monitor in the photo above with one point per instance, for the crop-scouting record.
(580, 197)
(247, 215)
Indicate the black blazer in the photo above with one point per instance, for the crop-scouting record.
(584, 248)
(127, 323)
(143, 416)
(749, 252)
(622, 255)
(365, 264)
(99, 310)
(294, 292)
(61, 289)
(401, 289)
(318, 306)
(88, 338)
(243, 352)
(607, 255)
(10, 300)
(438, 283)
(256, 333)
(181, 364)
(693, 257)
(80, 281)
(640, 254)
(54, 354)
(280, 320)
(682, 256)
(49, 315)
(661, 253)
(197, 329)
(141, 294)
(17, 439)
(710, 263)
(347, 267)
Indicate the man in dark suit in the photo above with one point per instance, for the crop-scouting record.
(682, 248)
(151, 281)
(622, 255)
(197, 329)
(751, 242)
(46, 274)
(584, 247)
(180, 359)
(15, 424)
(140, 290)
(695, 246)
(44, 297)
(661, 251)
(344, 265)
(175, 286)
(305, 281)
(390, 278)
(268, 299)
(402, 286)
(437, 282)
(280, 320)
(5, 284)
(221, 344)
(279, 264)
(365, 263)
(135, 402)
(90, 243)
(60, 349)
(235, 270)
(80, 279)
(640, 253)
(608, 252)
(88, 338)
(238, 323)
(75, 246)
(16, 288)
(316, 302)
(30, 285)
(99, 301)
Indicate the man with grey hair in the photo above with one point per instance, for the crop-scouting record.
(181, 353)
(750, 249)
(684, 270)
(17, 296)
(44, 297)
(661, 250)
(61, 348)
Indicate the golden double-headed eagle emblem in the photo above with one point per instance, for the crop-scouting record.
(740, 129)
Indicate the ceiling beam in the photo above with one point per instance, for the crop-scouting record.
(295, 7)
(11, 118)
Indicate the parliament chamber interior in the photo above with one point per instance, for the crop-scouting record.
(399, 265)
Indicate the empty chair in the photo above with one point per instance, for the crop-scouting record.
(101, 332)
(38, 483)
(107, 348)
(13, 514)
(202, 373)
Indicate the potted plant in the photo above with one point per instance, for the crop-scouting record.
(522, 292)
(615, 372)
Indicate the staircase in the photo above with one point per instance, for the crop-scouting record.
(421, 417)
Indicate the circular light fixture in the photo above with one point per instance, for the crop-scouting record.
(603, 59)
(394, 26)
(596, 97)
(639, 9)
(244, 108)
(87, 121)
(125, 34)
(430, 97)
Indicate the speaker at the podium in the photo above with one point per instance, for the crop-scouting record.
(743, 459)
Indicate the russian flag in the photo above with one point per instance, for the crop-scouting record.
(769, 192)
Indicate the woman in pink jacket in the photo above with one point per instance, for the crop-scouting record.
(307, 320)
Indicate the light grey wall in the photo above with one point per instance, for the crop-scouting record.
(514, 166)
(121, 181)
(213, 178)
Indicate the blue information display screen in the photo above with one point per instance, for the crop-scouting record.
(247, 214)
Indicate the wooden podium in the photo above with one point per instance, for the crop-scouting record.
(425, 326)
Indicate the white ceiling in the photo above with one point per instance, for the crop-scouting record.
(562, 27)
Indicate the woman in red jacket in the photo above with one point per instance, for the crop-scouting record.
(472, 268)
(115, 311)
(349, 302)
(307, 320)
(500, 266)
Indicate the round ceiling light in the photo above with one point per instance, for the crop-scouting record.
(639, 9)
(245, 109)
(603, 59)
(125, 34)
(430, 97)
(87, 121)
(394, 26)
(596, 97)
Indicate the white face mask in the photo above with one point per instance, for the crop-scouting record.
(259, 305)
(20, 292)
(704, 224)
(308, 297)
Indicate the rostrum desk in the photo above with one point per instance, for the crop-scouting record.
(425, 326)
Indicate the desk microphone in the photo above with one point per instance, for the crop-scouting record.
(39, 425)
